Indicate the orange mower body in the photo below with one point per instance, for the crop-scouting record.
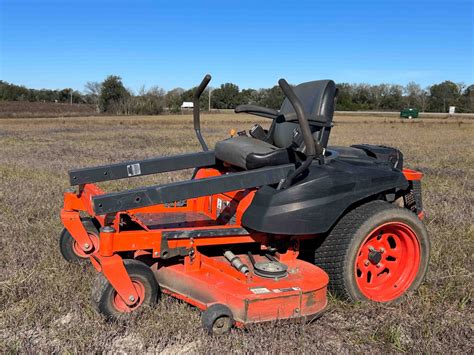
(266, 225)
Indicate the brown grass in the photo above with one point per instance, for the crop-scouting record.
(45, 303)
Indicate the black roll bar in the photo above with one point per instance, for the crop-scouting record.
(196, 114)
(312, 148)
(303, 121)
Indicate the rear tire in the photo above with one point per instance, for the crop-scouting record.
(376, 252)
(108, 302)
(69, 248)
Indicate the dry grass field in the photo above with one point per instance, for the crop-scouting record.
(45, 302)
(24, 109)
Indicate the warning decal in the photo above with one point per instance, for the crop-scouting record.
(287, 289)
(260, 290)
(134, 169)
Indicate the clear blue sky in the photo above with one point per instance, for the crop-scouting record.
(57, 44)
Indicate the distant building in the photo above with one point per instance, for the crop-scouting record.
(187, 105)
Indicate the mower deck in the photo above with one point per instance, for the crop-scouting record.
(251, 298)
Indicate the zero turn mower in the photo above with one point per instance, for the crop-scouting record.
(229, 240)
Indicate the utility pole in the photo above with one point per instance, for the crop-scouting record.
(70, 93)
(210, 90)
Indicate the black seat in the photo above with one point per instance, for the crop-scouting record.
(281, 144)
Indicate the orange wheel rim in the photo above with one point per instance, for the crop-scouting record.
(120, 304)
(80, 252)
(387, 262)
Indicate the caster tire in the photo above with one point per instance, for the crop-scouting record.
(70, 249)
(217, 319)
(376, 252)
(108, 302)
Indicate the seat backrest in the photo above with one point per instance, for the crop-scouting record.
(318, 99)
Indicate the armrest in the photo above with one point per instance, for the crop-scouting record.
(141, 167)
(258, 111)
(319, 120)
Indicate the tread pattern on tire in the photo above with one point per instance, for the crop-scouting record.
(331, 255)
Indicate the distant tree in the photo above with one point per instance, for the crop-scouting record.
(64, 95)
(344, 97)
(173, 100)
(92, 90)
(226, 96)
(115, 98)
(424, 99)
(11, 92)
(147, 102)
(413, 94)
(113, 95)
(468, 96)
(377, 94)
(443, 95)
(272, 98)
(247, 96)
(362, 97)
(45, 95)
(396, 97)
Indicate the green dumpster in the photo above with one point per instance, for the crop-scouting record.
(409, 113)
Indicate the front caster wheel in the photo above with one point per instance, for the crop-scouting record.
(109, 303)
(217, 319)
(71, 250)
(376, 252)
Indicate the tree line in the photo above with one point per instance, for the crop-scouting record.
(111, 96)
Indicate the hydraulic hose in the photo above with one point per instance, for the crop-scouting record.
(236, 262)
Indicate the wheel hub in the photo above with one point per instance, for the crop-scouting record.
(375, 256)
(387, 261)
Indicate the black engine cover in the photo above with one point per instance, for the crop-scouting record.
(313, 204)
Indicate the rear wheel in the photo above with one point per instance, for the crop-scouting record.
(109, 303)
(71, 250)
(376, 252)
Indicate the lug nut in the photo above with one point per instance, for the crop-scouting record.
(371, 248)
(378, 265)
(366, 263)
(131, 298)
(382, 250)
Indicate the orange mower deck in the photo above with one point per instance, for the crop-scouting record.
(194, 277)
(251, 298)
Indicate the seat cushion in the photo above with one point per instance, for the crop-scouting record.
(250, 153)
